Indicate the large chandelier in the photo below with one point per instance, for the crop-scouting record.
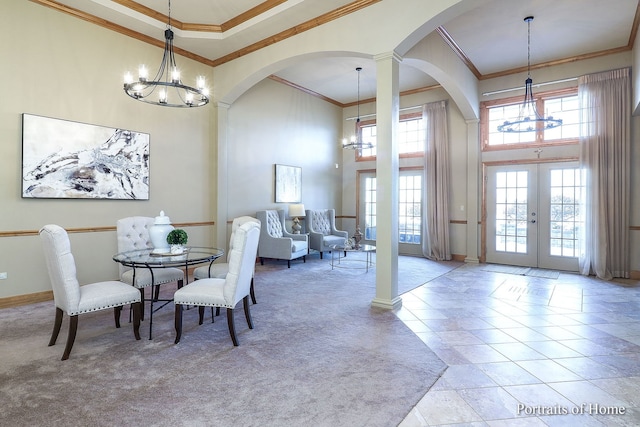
(528, 117)
(355, 142)
(166, 88)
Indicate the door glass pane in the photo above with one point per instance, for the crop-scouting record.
(564, 212)
(410, 208)
(511, 211)
(370, 208)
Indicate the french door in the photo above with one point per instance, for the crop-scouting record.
(533, 215)
(409, 209)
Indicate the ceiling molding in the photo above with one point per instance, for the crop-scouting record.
(458, 51)
(212, 28)
(305, 90)
(301, 28)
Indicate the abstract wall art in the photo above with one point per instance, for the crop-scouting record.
(63, 159)
(288, 184)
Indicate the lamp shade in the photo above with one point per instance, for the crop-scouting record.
(296, 210)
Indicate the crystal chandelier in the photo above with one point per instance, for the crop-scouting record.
(166, 88)
(355, 142)
(528, 117)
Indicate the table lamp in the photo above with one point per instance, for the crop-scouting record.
(296, 211)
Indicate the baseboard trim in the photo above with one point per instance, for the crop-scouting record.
(26, 299)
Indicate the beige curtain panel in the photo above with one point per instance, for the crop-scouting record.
(435, 216)
(605, 152)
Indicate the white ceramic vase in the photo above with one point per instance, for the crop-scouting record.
(158, 234)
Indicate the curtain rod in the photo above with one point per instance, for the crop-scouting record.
(374, 114)
(495, 92)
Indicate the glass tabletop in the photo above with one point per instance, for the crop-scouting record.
(359, 248)
(146, 257)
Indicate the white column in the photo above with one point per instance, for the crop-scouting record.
(221, 131)
(387, 168)
(473, 189)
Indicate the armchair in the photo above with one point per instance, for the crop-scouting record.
(71, 298)
(321, 226)
(276, 242)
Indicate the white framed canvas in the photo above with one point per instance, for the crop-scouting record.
(62, 159)
(288, 184)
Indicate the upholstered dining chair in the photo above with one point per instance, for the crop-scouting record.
(227, 292)
(276, 242)
(133, 233)
(219, 270)
(71, 298)
(321, 226)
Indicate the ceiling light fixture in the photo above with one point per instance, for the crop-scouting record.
(528, 117)
(171, 92)
(355, 142)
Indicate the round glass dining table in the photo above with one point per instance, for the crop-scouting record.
(146, 258)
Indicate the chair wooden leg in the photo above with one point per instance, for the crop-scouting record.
(304, 259)
(320, 254)
(261, 261)
(116, 315)
(180, 283)
(232, 327)
(247, 312)
(156, 292)
(178, 322)
(253, 295)
(137, 314)
(288, 263)
(200, 314)
(56, 326)
(73, 328)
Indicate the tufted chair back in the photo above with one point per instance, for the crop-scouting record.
(273, 225)
(133, 234)
(320, 221)
(62, 268)
(242, 260)
(237, 223)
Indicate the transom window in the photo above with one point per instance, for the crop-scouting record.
(410, 137)
(559, 104)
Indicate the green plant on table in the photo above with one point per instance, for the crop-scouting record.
(177, 237)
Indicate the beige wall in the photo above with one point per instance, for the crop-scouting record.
(275, 124)
(59, 66)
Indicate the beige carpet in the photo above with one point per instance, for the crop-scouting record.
(319, 356)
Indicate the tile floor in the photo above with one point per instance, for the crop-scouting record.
(528, 351)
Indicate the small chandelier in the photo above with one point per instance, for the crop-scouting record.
(166, 88)
(356, 143)
(528, 116)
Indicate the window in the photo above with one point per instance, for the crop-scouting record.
(559, 104)
(410, 137)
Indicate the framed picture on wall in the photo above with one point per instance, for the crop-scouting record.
(62, 159)
(288, 184)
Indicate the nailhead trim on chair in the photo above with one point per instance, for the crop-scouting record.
(73, 313)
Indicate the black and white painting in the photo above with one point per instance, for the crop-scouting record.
(62, 159)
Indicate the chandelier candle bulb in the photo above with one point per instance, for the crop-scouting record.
(143, 73)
